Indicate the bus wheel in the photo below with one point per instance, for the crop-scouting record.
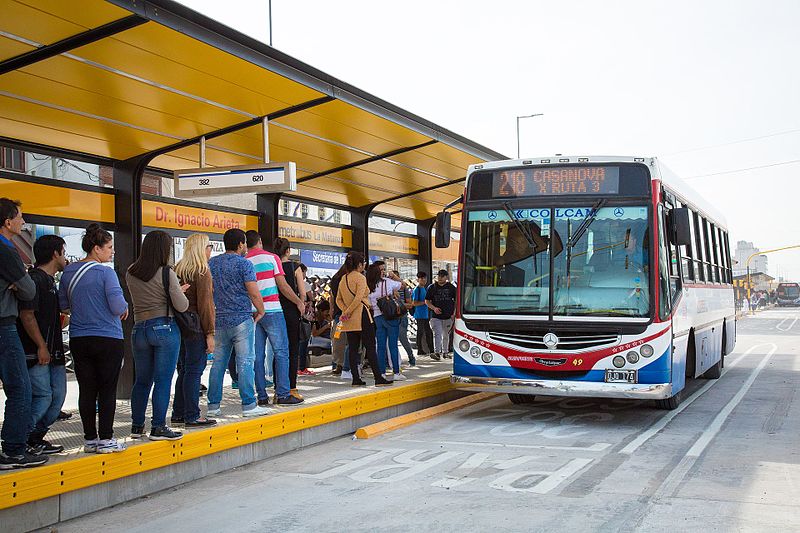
(520, 399)
(668, 404)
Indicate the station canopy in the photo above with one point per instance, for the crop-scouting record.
(119, 79)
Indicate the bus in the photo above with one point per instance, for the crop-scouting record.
(588, 276)
(788, 294)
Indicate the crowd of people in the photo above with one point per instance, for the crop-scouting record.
(248, 309)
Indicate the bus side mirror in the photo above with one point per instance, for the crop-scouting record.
(679, 220)
(443, 229)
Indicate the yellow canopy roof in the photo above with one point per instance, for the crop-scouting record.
(121, 79)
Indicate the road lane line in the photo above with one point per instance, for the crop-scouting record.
(596, 447)
(636, 443)
(779, 324)
(712, 430)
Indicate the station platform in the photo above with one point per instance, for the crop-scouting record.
(74, 483)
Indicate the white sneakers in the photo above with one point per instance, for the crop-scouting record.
(347, 375)
(256, 411)
(400, 377)
(214, 412)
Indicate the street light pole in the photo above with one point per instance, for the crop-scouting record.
(524, 116)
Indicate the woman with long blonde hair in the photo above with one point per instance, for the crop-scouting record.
(193, 269)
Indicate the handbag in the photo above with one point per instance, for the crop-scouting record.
(390, 306)
(188, 321)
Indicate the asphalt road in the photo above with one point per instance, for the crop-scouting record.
(727, 460)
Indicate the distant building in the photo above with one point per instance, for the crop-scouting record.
(745, 249)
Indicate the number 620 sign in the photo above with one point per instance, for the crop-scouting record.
(264, 178)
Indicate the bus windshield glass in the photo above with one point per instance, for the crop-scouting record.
(600, 264)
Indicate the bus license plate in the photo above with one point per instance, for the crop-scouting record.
(621, 376)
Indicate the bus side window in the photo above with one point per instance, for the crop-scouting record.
(729, 267)
(664, 300)
(714, 251)
(708, 259)
(687, 267)
(697, 238)
(673, 256)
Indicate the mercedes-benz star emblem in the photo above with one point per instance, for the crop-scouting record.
(551, 341)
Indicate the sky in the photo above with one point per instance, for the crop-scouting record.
(711, 87)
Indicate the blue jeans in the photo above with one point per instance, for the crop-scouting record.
(241, 338)
(156, 344)
(191, 363)
(387, 329)
(48, 392)
(272, 327)
(17, 388)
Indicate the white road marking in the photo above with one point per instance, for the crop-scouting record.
(712, 430)
(596, 447)
(550, 482)
(636, 443)
(779, 324)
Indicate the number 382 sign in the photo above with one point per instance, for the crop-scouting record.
(267, 177)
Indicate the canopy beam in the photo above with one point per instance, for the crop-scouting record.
(360, 162)
(70, 43)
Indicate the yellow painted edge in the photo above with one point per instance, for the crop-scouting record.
(379, 428)
(23, 486)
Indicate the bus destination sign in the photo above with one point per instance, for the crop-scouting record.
(555, 181)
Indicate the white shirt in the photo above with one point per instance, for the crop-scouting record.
(385, 288)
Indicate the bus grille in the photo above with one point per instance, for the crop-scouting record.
(568, 341)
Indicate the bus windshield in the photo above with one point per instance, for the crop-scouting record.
(599, 261)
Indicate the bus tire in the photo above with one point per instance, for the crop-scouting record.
(521, 399)
(668, 404)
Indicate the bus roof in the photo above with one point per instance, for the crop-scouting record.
(657, 171)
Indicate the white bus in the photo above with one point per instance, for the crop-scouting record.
(589, 276)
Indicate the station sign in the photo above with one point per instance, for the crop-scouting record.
(215, 181)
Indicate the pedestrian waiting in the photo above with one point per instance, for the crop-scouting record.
(15, 286)
(193, 270)
(90, 293)
(39, 329)
(235, 295)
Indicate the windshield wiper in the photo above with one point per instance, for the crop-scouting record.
(524, 229)
(575, 237)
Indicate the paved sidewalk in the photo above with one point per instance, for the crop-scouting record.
(320, 388)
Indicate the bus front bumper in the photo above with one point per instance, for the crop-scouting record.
(657, 391)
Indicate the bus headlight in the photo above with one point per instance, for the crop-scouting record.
(475, 351)
(463, 345)
(633, 357)
(486, 357)
(618, 361)
(646, 350)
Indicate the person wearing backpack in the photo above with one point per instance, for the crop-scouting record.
(91, 294)
(384, 300)
(441, 300)
(156, 339)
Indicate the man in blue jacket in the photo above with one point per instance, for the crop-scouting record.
(15, 286)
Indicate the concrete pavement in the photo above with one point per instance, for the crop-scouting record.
(728, 461)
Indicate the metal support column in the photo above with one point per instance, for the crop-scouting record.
(127, 245)
(267, 207)
(425, 257)
(359, 220)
